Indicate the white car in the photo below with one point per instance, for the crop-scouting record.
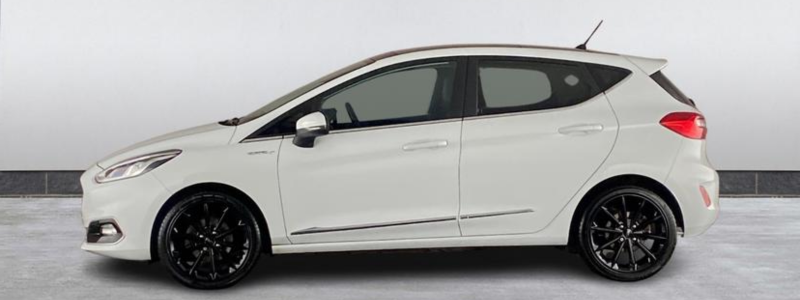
(449, 146)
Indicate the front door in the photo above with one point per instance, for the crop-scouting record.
(388, 170)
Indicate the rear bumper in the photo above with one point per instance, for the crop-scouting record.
(685, 181)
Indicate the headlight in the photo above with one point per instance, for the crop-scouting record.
(135, 166)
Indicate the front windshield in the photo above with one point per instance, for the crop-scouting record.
(302, 90)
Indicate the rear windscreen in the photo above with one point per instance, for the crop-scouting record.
(673, 90)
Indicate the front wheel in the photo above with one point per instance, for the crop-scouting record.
(628, 234)
(209, 240)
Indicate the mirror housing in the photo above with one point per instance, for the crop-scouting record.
(309, 127)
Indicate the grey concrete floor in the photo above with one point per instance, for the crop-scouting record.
(751, 253)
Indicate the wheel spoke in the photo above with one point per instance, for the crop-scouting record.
(609, 230)
(197, 262)
(611, 215)
(227, 259)
(651, 236)
(646, 251)
(606, 245)
(619, 251)
(631, 256)
(625, 218)
(213, 264)
(224, 233)
(224, 212)
(638, 215)
(198, 227)
(650, 221)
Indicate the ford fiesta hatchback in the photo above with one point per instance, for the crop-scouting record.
(450, 146)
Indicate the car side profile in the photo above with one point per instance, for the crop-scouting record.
(446, 146)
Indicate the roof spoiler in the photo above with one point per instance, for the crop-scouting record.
(648, 65)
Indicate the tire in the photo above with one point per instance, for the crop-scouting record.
(627, 234)
(209, 240)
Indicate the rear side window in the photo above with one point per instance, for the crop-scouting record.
(607, 76)
(673, 90)
(517, 85)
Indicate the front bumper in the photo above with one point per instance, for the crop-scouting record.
(132, 204)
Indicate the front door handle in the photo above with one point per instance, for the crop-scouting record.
(580, 129)
(432, 144)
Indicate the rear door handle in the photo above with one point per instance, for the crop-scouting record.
(418, 145)
(580, 129)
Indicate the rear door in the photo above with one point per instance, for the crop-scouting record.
(535, 131)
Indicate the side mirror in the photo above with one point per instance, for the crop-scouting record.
(309, 127)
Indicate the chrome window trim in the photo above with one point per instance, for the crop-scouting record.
(313, 230)
(261, 139)
(431, 122)
(496, 214)
(535, 111)
(339, 131)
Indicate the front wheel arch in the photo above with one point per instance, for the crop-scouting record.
(209, 187)
(618, 181)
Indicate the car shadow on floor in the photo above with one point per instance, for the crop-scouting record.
(324, 267)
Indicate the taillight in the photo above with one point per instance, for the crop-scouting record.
(689, 124)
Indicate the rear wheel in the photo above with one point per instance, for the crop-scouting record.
(209, 240)
(628, 234)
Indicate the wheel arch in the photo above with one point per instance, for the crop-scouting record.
(212, 187)
(622, 180)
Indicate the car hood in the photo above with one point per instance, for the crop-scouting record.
(201, 136)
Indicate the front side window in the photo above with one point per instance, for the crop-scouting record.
(513, 85)
(405, 93)
(413, 94)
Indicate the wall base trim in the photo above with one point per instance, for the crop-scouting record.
(32, 184)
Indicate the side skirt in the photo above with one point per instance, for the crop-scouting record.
(452, 242)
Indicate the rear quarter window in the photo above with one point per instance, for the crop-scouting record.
(607, 76)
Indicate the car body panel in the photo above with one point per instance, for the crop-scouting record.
(364, 177)
(249, 167)
(128, 203)
(199, 136)
(506, 165)
(292, 195)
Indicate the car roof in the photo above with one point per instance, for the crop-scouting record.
(467, 46)
(648, 65)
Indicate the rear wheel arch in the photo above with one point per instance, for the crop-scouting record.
(209, 187)
(618, 181)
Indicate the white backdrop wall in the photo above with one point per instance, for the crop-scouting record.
(81, 78)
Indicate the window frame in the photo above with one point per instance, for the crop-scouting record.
(455, 110)
(471, 107)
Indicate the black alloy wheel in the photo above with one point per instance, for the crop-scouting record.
(628, 234)
(209, 241)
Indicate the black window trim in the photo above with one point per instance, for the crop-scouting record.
(670, 88)
(595, 81)
(457, 105)
(471, 105)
